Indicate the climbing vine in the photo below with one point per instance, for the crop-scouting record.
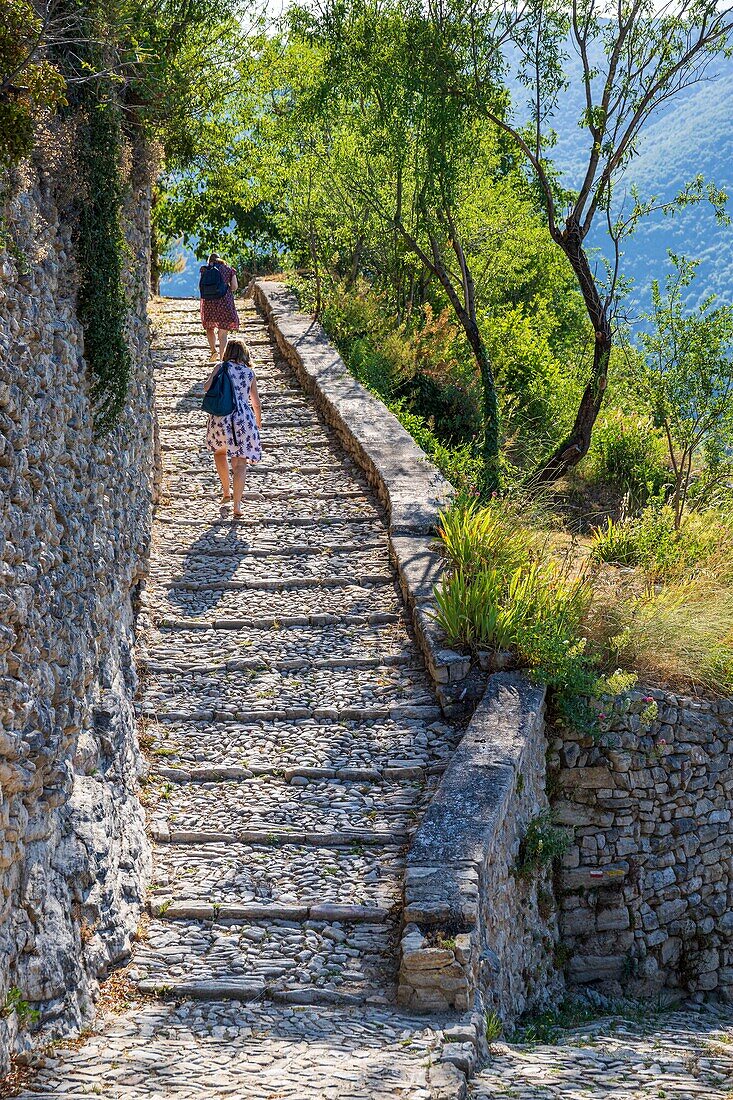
(102, 303)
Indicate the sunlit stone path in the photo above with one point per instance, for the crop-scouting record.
(294, 740)
(677, 1055)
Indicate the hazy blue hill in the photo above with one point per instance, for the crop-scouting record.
(694, 134)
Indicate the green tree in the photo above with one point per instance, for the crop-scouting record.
(685, 374)
(635, 56)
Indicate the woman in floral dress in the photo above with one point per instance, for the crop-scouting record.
(220, 314)
(236, 437)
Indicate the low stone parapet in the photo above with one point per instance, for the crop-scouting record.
(411, 488)
(476, 931)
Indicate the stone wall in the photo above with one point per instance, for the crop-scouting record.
(477, 933)
(646, 890)
(74, 529)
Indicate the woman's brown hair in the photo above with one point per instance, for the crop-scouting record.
(236, 351)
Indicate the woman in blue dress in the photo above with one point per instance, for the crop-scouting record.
(236, 438)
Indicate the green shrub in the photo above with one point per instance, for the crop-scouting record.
(628, 454)
(542, 845)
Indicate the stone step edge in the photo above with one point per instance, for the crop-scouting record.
(407, 663)
(295, 549)
(278, 837)
(246, 991)
(164, 907)
(224, 773)
(269, 584)
(290, 714)
(277, 622)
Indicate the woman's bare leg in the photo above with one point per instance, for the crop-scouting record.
(223, 337)
(239, 476)
(222, 469)
(211, 337)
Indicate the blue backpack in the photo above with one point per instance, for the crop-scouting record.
(219, 398)
(212, 283)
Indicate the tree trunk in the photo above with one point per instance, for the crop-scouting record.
(490, 409)
(316, 269)
(575, 445)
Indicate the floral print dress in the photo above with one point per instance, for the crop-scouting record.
(237, 432)
(221, 312)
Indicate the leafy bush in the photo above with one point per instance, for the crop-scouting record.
(628, 453)
(33, 83)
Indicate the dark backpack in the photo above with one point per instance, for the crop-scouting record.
(219, 398)
(212, 283)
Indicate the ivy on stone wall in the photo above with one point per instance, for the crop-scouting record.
(102, 303)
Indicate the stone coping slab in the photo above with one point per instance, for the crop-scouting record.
(411, 488)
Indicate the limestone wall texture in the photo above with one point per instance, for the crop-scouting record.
(646, 888)
(74, 530)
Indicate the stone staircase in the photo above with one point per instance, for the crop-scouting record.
(295, 741)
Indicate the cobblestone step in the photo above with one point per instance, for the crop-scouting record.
(240, 873)
(238, 566)
(302, 603)
(329, 531)
(308, 742)
(298, 646)
(351, 962)
(238, 694)
(271, 508)
(314, 483)
(270, 802)
(214, 1050)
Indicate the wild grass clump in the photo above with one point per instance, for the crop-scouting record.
(504, 592)
(668, 620)
(703, 543)
(680, 633)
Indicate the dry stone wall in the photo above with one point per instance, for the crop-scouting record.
(646, 889)
(74, 530)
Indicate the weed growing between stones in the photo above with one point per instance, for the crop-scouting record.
(573, 1012)
(15, 1003)
(543, 845)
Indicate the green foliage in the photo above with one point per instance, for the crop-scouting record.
(102, 303)
(504, 592)
(665, 552)
(628, 454)
(685, 373)
(29, 83)
(543, 845)
(494, 1027)
(14, 1002)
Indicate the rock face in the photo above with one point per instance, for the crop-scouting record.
(646, 887)
(74, 532)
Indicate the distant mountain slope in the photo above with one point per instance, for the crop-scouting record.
(694, 134)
